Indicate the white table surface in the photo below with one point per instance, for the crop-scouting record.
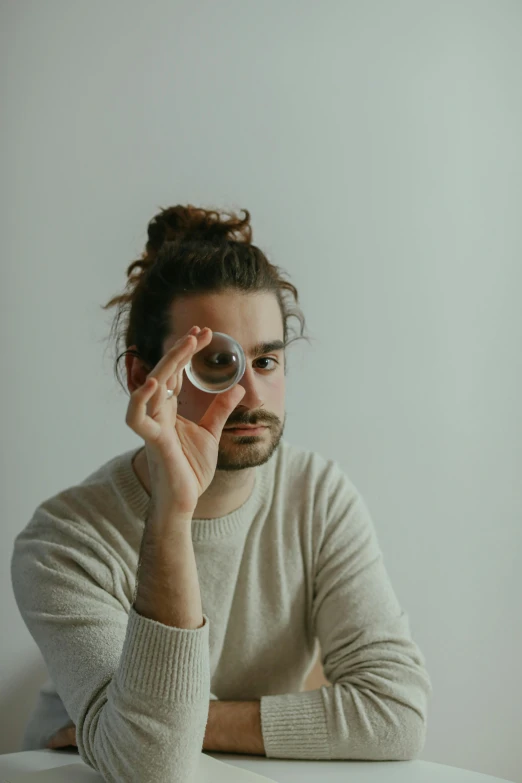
(280, 770)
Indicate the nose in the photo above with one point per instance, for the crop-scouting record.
(252, 397)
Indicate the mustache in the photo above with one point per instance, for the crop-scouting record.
(249, 423)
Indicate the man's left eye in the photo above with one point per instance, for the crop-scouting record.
(268, 359)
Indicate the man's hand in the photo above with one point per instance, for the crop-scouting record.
(234, 727)
(64, 738)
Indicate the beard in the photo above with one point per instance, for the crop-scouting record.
(239, 452)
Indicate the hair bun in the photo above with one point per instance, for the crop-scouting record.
(189, 223)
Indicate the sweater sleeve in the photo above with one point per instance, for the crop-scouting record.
(376, 707)
(136, 690)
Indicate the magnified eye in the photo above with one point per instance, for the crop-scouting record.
(218, 366)
(220, 359)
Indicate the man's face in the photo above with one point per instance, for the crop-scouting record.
(252, 320)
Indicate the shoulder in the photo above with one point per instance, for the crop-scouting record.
(88, 515)
(311, 471)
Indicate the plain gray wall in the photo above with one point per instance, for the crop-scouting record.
(377, 146)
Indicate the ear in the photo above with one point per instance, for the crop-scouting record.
(137, 371)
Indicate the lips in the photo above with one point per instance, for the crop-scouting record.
(249, 427)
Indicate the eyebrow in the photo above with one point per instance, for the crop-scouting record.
(261, 348)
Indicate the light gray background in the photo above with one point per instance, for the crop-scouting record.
(377, 145)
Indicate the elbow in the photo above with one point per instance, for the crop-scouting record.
(395, 731)
(405, 736)
(401, 728)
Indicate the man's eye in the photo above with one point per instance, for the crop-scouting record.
(268, 359)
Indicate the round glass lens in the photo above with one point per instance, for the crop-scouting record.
(218, 366)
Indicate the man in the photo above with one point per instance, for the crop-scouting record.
(286, 555)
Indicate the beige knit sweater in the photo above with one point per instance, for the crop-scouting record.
(298, 562)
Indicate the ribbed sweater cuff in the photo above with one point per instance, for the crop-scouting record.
(170, 664)
(294, 726)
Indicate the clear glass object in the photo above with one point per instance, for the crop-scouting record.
(217, 367)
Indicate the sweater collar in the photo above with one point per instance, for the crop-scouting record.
(138, 499)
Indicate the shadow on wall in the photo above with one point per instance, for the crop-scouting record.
(17, 702)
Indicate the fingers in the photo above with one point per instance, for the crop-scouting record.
(175, 380)
(147, 400)
(180, 354)
(217, 413)
(169, 370)
(137, 418)
(174, 361)
(63, 738)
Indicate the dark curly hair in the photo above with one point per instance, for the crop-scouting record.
(192, 251)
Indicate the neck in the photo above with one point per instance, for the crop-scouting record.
(227, 492)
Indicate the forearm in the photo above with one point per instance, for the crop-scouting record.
(346, 721)
(234, 727)
(167, 580)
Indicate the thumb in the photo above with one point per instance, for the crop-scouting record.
(217, 413)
